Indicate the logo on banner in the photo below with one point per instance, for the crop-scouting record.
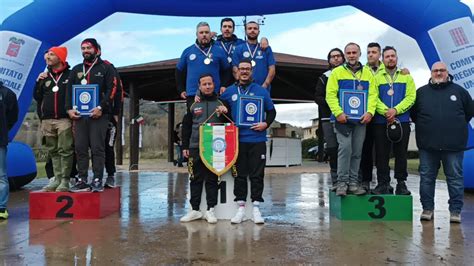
(14, 46)
(458, 36)
(218, 146)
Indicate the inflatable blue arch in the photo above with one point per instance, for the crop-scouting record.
(442, 29)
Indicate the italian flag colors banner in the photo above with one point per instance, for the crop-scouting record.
(218, 146)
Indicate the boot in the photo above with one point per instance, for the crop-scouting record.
(52, 185)
(64, 185)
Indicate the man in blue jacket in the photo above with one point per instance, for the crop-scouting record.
(442, 112)
(8, 117)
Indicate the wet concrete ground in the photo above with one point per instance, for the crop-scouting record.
(298, 230)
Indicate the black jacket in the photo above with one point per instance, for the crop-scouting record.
(119, 94)
(102, 74)
(51, 105)
(8, 113)
(442, 113)
(320, 97)
(197, 114)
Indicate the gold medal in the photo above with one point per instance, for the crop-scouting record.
(84, 82)
(207, 61)
(55, 88)
(253, 63)
(390, 92)
(229, 59)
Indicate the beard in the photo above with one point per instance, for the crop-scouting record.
(89, 56)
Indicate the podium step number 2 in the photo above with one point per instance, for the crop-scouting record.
(371, 207)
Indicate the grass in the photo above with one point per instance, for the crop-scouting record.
(412, 166)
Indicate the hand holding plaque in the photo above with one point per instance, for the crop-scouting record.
(85, 98)
(250, 110)
(353, 103)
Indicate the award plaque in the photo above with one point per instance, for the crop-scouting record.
(250, 110)
(85, 98)
(353, 103)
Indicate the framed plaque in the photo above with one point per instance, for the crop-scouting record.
(250, 110)
(85, 98)
(353, 103)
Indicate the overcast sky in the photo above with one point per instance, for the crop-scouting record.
(133, 39)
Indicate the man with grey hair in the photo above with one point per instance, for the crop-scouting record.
(441, 113)
(199, 58)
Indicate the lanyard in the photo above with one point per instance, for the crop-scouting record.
(245, 92)
(225, 49)
(252, 54)
(89, 70)
(56, 80)
(202, 51)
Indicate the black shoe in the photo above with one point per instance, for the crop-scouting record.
(96, 185)
(80, 186)
(382, 189)
(110, 182)
(366, 185)
(402, 189)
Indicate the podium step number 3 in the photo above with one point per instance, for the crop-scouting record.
(371, 207)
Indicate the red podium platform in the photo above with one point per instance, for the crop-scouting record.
(66, 205)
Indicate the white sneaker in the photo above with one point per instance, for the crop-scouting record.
(210, 216)
(257, 216)
(191, 216)
(239, 216)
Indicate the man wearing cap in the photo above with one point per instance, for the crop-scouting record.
(200, 58)
(263, 62)
(56, 127)
(8, 118)
(90, 131)
(335, 59)
(391, 124)
(351, 76)
(252, 141)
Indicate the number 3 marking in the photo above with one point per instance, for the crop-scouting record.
(379, 207)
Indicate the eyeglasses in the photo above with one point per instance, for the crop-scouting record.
(335, 56)
(248, 69)
(439, 70)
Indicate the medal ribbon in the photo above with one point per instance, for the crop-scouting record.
(252, 54)
(246, 92)
(225, 49)
(89, 70)
(202, 51)
(55, 80)
(390, 83)
(355, 76)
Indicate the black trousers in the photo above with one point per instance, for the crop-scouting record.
(110, 138)
(90, 133)
(251, 164)
(200, 174)
(382, 149)
(367, 156)
(48, 167)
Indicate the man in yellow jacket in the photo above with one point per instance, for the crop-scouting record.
(397, 95)
(350, 133)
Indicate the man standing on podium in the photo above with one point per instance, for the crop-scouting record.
(90, 131)
(350, 133)
(252, 140)
(391, 124)
(262, 60)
